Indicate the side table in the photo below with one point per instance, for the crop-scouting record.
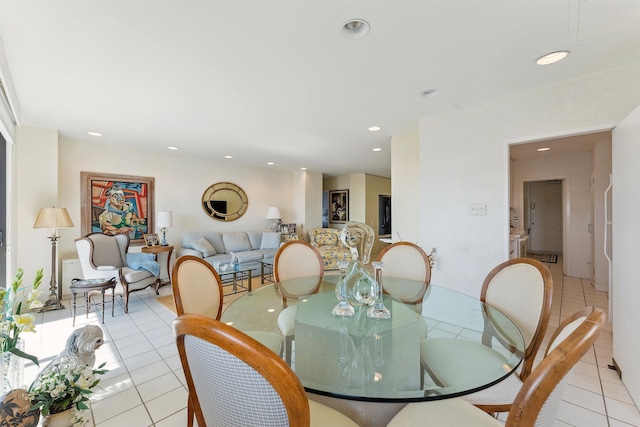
(156, 250)
(89, 286)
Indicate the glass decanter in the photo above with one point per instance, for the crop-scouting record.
(378, 310)
(343, 308)
(360, 286)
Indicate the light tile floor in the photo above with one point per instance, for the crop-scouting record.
(146, 387)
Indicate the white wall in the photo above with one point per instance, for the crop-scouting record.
(626, 269)
(405, 188)
(464, 160)
(35, 187)
(307, 201)
(179, 184)
(575, 169)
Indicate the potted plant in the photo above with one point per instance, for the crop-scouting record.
(62, 390)
(14, 302)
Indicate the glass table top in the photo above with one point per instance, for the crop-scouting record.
(359, 358)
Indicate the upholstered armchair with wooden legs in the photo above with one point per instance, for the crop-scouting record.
(522, 289)
(197, 289)
(234, 380)
(300, 261)
(537, 401)
(104, 256)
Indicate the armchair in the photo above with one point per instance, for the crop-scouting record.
(327, 242)
(104, 256)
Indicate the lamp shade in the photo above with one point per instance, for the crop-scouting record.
(164, 219)
(273, 213)
(53, 218)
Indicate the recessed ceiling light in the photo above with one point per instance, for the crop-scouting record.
(228, 157)
(270, 163)
(430, 92)
(552, 57)
(544, 149)
(355, 28)
(94, 133)
(303, 169)
(172, 148)
(377, 149)
(374, 128)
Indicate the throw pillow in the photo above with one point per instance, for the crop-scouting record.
(203, 246)
(270, 241)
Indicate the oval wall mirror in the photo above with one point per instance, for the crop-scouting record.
(224, 201)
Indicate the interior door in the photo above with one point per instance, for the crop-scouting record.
(544, 215)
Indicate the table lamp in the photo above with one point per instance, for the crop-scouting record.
(53, 218)
(165, 221)
(274, 214)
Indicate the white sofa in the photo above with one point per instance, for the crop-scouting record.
(249, 246)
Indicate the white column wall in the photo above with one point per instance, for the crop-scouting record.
(35, 187)
(625, 293)
(405, 187)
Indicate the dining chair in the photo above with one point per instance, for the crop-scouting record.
(197, 289)
(103, 256)
(295, 260)
(521, 288)
(234, 380)
(537, 400)
(406, 260)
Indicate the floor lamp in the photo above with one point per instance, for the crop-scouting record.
(53, 218)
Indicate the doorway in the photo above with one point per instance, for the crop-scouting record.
(543, 216)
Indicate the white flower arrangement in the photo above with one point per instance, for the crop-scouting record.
(63, 386)
(13, 321)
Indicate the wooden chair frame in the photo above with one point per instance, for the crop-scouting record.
(555, 365)
(177, 299)
(175, 282)
(254, 354)
(276, 270)
(545, 312)
(427, 263)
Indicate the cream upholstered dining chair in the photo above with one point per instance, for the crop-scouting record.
(406, 260)
(197, 289)
(234, 380)
(295, 260)
(521, 288)
(104, 256)
(537, 400)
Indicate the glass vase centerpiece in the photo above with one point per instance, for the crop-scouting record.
(343, 308)
(378, 310)
(360, 288)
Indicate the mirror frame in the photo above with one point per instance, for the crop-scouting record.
(207, 198)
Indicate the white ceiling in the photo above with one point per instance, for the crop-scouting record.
(276, 80)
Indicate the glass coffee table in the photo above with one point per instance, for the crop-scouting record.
(266, 270)
(234, 278)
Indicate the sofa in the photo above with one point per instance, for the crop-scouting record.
(327, 241)
(216, 247)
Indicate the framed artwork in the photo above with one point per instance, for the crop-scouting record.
(117, 204)
(292, 229)
(151, 240)
(284, 228)
(338, 206)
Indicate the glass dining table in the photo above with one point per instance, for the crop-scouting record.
(370, 368)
